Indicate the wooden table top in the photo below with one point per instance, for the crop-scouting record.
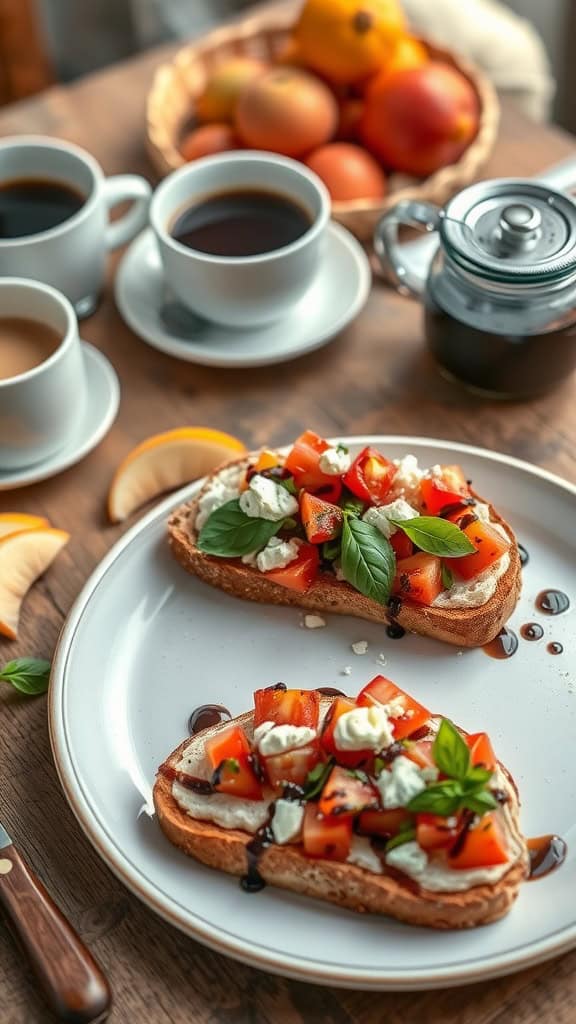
(373, 379)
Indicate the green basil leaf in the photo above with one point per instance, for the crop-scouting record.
(316, 779)
(331, 549)
(379, 765)
(447, 577)
(290, 523)
(476, 776)
(27, 675)
(229, 532)
(480, 802)
(232, 764)
(436, 536)
(351, 505)
(403, 837)
(368, 561)
(287, 483)
(443, 798)
(342, 448)
(450, 752)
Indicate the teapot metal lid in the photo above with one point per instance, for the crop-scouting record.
(511, 231)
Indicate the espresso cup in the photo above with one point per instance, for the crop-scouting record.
(71, 256)
(41, 406)
(240, 291)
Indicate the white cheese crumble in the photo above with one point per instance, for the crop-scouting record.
(280, 738)
(362, 854)
(277, 554)
(219, 491)
(347, 670)
(381, 515)
(314, 622)
(359, 647)
(334, 461)
(287, 821)
(363, 729)
(399, 783)
(409, 858)
(406, 482)
(266, 499)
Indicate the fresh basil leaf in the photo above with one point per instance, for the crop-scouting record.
(27, 675)
(477, 776)
(342, 448)
(230, 764)
(447, 577)
(450, 752)
(368, 561)
(443, 798)
(351, 505)
(379, 765)
(316, 779)
(287, 483)
(229, 532)
(290, 523)
(403, 837)
(436, 536)
(480, 802)
(331, 549)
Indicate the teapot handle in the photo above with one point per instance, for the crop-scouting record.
(411, 214)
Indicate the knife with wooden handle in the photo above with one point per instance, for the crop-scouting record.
(72, 982)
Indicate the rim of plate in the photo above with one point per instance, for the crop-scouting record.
(300, 968)
(163, 341)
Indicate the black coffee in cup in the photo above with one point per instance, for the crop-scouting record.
(31, 205)
(243, 222)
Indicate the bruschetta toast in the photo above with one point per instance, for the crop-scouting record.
(381, 540)
(373, 804)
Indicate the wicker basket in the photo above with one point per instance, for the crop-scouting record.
(170, 109)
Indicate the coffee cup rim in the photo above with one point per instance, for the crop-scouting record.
(86, 158)
(68, 338)
(241, 156)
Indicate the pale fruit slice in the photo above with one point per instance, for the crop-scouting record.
(15, 522)
(23, 558)
(167, 461)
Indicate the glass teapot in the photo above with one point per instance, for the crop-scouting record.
(500, 293)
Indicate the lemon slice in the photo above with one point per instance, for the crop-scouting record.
(15, 522)
(167, 461)
(24, 557)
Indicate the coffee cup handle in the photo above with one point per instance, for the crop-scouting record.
(118, 189)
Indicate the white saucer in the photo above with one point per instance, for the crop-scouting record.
(334, 298)
(103, 401)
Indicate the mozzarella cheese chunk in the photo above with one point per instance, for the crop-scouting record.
(266, 499)
(281, 738)
(399, 783)
(277, 554)
(287, 821)
(381, 515)
(409, 858)
(363, 729)
(362, 854)
(219, 491)
(334, 461)
(406, 482)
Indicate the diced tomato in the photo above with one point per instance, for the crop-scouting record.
(484, 845)
(304, 461)
(329, 838)
(321, 520)
(291, 766)
(348, 758)
(490, 546)
(419, 578)
(402, 546)
(287, 707)
(383, 691)
(345, 794)
(231, 742)
(300, 574)
(481, 750)
(331, 492)
(383, 823)
(370, 476)
(440, 492)
(436, 833)
(421, 753)
(236, 777)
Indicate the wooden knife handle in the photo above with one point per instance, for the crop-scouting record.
(71, 980)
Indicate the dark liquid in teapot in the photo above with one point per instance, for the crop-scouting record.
(505, 365)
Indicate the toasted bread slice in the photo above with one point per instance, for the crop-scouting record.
(342, 883)
(463, 627)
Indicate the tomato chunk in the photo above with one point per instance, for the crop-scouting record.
(331, 492)
(292, 766)
(286, 707)
(383, 691)
(345, 794)
(370, 476)
(436, 833)
(402, 546)
(231, 742)
(485, 844)
(349, 758)
(329, 838)
(481, 750)
(439, 493)
(421, 753)
(300, 574)
(230, 756)
(303, 461)
(419, 578)
(383, 823)
(321, 520)
(490, 546)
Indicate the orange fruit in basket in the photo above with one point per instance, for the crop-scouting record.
(348, 40)
(287, 111)
(224, 84)
(208, 139)
(421, 119)
(348, 171)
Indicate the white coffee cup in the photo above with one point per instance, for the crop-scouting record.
(240, 291)
(39, 408)
(71, 256)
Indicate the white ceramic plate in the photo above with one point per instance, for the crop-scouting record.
(333, 299)
(145, 644)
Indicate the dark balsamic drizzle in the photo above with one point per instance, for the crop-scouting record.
(456, 506)
(395, 631)
(276, 686)
(467, 520)
(546, 854)
(202, 786)
(458, 846)
(524, 556)
(205, 716)
(394, 607)
(329, 691)
(390, 753)
(252, 881)
(552, 602)
(504, 645)
(531, 631)
(554, 647)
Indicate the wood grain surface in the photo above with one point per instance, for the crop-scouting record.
(374, 378)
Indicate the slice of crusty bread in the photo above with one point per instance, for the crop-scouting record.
(463, 627)
(344, 884)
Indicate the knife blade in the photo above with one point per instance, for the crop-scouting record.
(73, 984)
